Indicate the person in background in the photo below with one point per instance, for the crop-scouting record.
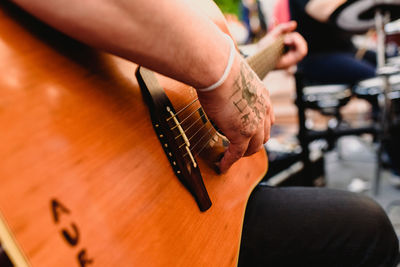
(282, 226)
(331, 58)
(253, 19)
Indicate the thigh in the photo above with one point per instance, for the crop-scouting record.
(336, 67)
(315, 227)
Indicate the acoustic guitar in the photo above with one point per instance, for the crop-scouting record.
(90, 177)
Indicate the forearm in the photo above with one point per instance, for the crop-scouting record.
(321, 10)
(189, 48)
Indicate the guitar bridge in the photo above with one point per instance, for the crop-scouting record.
(168, 128)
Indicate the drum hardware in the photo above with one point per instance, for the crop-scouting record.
(392, 30)
(394, 61)
(385, 72)
(360, 16)
(328, 99)
(356, 16)
(370, 89)
(373, 90)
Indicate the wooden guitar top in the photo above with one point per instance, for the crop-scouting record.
(83, 178)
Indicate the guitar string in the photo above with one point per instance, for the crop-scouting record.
(208, 121)
(191, 137)
(201, 138)
(192, 148)
(181, 122)
(191, 125)
(278, 46)
(204, 146)
(198, 130)
(183, 109)
(187, 117)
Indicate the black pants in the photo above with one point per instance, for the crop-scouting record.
(318, 227)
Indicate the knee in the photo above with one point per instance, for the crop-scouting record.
(383, 245)
(376, 219)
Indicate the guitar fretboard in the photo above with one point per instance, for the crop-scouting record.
(265, 60)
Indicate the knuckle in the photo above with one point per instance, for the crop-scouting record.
(268, 108)
(271, 112)
(254, 150)
(247, 133)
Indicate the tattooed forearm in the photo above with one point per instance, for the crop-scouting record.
(248, 99)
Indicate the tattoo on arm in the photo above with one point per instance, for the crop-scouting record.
(248, 100)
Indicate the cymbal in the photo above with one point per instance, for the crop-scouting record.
(357, 16)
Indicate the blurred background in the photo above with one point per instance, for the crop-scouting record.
(335, 134)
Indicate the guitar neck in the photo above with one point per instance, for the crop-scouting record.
(265, 60)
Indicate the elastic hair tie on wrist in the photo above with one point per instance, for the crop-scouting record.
(227, 69)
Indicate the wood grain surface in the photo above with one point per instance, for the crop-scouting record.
(76, 133)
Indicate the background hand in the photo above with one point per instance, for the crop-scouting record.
(298, 46)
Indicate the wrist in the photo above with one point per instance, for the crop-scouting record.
(227, 88)
(227, 70)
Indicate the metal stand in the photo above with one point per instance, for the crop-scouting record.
(383, 99)
(330, 135)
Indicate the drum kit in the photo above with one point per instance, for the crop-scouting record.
(360, 16)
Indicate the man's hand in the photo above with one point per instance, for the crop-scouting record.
(242, 110)
(296, 43)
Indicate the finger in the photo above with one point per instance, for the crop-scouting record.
(297, 42)
(272, 115)
(232, 154)
(287, 27)
(267, 129)
(287, 60)
(289, 40)
(283, 28)
(296, 53)
(300, 44)
(256, 142)
(293, 42)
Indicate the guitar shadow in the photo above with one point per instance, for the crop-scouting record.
(112, 70)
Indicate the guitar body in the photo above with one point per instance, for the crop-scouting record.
(84, 180)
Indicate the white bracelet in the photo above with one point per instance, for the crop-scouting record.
(227, 69)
